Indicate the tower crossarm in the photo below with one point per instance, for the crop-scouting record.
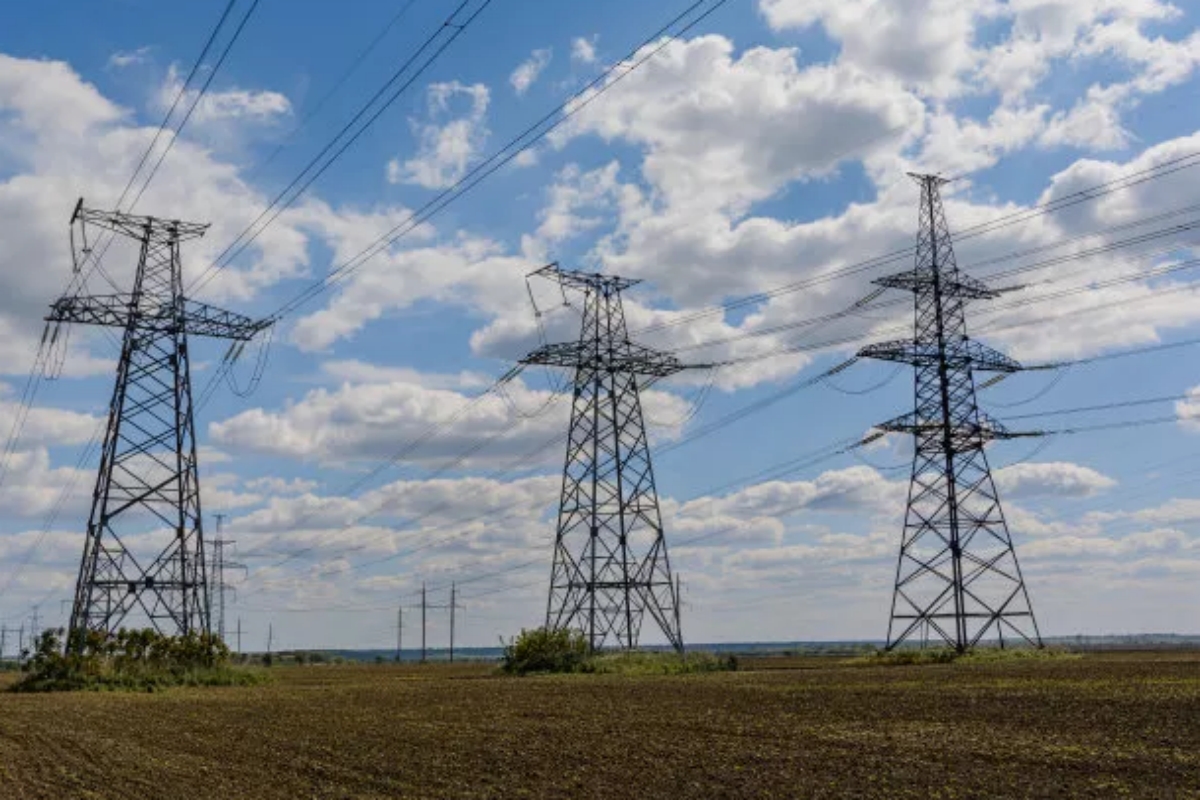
(977, 432)
(629, 358)
(138, 227)
(577, 279)
(114, 311)
(965, 354)
(951, 285)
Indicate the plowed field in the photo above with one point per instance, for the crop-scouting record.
(1104, 726)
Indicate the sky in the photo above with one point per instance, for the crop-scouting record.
(766, 147)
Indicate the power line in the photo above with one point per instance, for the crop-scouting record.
(517, 145)
(1083, 195)
(290, 193)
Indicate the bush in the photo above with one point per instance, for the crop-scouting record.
(542, 650)
(545, 650)
(139, 660)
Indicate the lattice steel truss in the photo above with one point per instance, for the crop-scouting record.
(957, 578)
(147, 479)
(610, 557)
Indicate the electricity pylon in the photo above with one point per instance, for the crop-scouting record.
(216, 579)
(144, 549)
(610, 557)
(957, 577)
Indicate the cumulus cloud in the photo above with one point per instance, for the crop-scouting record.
(583, 50)
(445, 148)
(1188, 411)
(398, 420)
(529, 70)
(123, 58)
(242, 105)
(1057, 478)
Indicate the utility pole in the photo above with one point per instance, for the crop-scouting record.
(239, 636)
(21, 643)
(957, 576)
(399, 632)
(610, 555)
(422, 623)
(3, 638)
(34, 630)
(453, 606)
(270, 637)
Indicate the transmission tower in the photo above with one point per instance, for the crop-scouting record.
(217, 576)
(144, 550)
(610, 557)
(957, 578)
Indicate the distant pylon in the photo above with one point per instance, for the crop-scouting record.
(144, 550)
(216, 577)
(610, 557)
(957, 578)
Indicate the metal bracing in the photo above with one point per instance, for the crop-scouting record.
(610, 556)
(957, 577)
(144, 550)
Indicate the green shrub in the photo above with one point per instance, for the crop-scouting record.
(542, 650)
(134, 660)
(545, 650)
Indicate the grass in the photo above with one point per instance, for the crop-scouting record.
(982, 655)
(655, 663)
(1102, 726)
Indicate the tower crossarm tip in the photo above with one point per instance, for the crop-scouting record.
(957, 285)
(962, 354)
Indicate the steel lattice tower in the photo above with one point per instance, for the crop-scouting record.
(147, 479)
(957, 578)
(610, 557)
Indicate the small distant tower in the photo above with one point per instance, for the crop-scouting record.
(143, 556)
(610, 556)
(957, 580)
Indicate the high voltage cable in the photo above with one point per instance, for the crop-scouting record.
(303, 180)
(865, 303)
(517, 145)
(357, 62)
(33, 381)
(212, 74)
(1083, 195)
(412, 444)
(728, 419)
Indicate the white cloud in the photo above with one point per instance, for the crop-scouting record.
(528, 71)
(1188, 410)
(1057, 478)
(122, 59)
(241, 105)
(396, 420)
(583, 50)
(446, 149)
(272, 485)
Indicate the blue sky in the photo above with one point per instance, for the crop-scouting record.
(767, 146)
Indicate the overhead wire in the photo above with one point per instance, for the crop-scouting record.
(577, 102)
(449, 31)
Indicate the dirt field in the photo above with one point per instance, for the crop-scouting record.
(1104, 726)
